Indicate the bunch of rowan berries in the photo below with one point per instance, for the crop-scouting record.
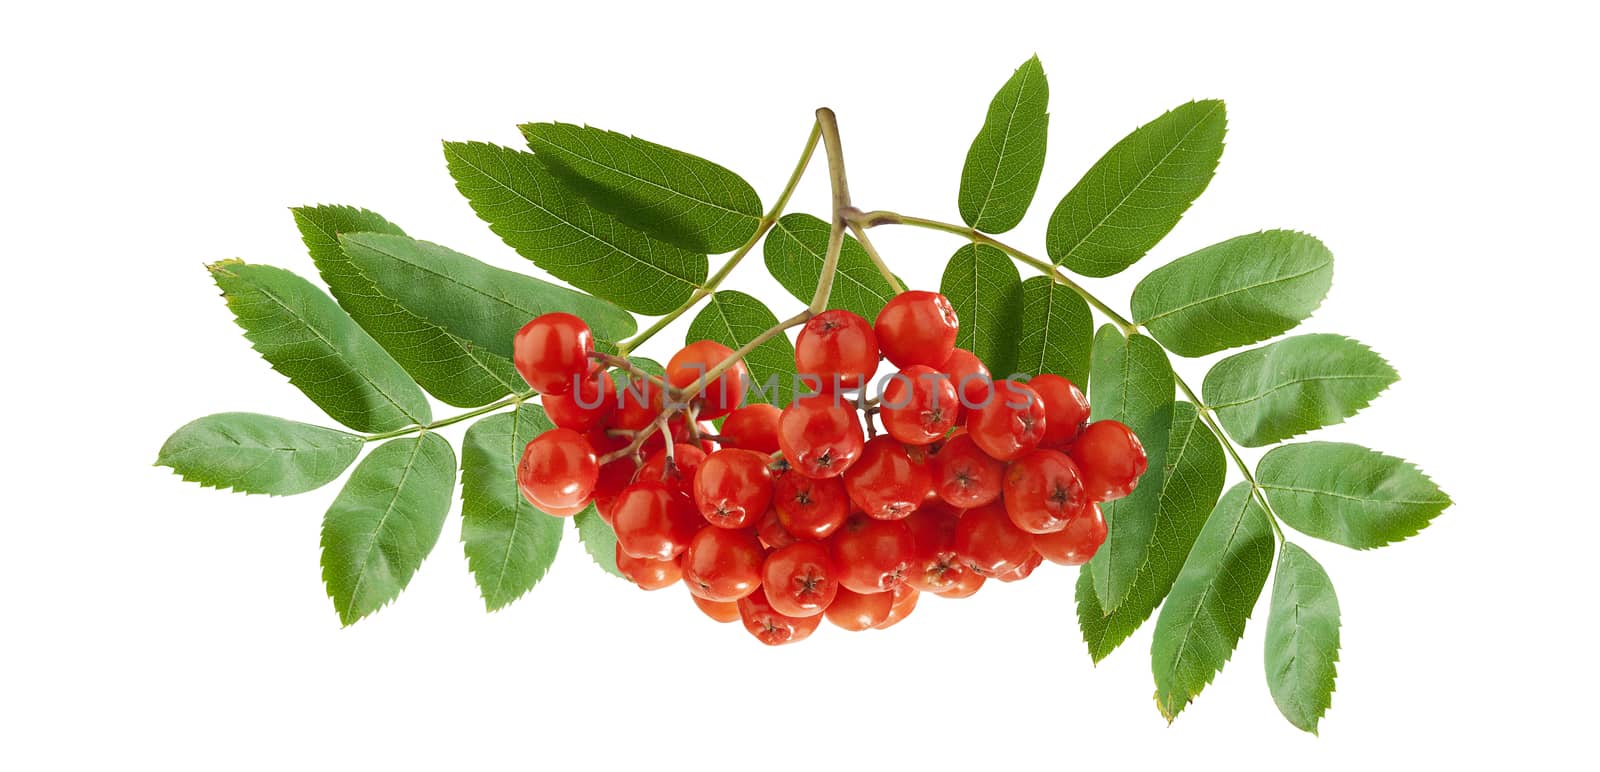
(781, 518)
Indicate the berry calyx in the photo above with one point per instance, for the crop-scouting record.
(694, 361)
(819, 436)
(1075, 544)
(557, 472)
(916, 328)
(552, 352)
(800, 579)
(964, 476)
(733, 487)
(723, 564)
(1043, 491)
(654, 520)
(919, 405)
(935, 566)
(771, 627)
(1010, 424)
(872, 555)
(886, 482)
(836, 350)
(1110, 459)
(809, 508)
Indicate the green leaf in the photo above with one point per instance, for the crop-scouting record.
(1193, 473)
(1293, 386)
(303, 334)
(548, 223)
(1054, 331)
(734, 319)
(983, 286)
(510, 544)
(598, 539)
(1136, 193)
(1003, 166)
(385, 521)
(448, 367)
(674, 196)
(469, 298)
(1302, 639)
(1132, 383)
(794, 250)
(1241, 291)
(1205, 615)
(1348, 494)
(253, 453)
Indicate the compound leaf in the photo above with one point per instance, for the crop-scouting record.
(254, 453)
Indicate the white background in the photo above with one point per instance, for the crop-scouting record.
(1447, 156)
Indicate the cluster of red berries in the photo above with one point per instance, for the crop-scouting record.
(785, 517)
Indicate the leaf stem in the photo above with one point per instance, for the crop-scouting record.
(877, 259)
(767, 221)
(515, 399)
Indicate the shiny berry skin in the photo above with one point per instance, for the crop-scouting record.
(855, 611)
(693, 361)
(639, 402)
(838, 348)
(718, 610)
(966, 586)
(1023, 571)
(808, 508)
(654, 520)
(771, 627)
(964, 476)
(558, 472)
(819, 436)
(1043, 491)
(733, 488)
(1075, 544)
(903, 603)
(886, 483)
(686, 461)
(989, 543)
(916, 328)
(1011, 424)
(919, 405)
(752, 427)
(800, 579)
(935, 566)
(772, 533)
(614, 477)
(969, 376)
(552, 351)
(1110, 459)
(648, 574)
(723, 564)
(872, 555)
(1066, 410)
(585, 407)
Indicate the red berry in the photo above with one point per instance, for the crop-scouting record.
(935, 566)
(771, 627)
(964, 476)
(773, 534)
(799, 579)
(1066, 410)
(654, 520)
(1075, 544)
(720, 396)
(989, 542)
(723, 564)
(903, 603)
(648, 574)
(614, 477)
(1110, 459)
(855, 611)
(558, 471)
(1043, 491)
(967, 585)
(1010, 424)
(886, 482)
(686, 461)
(583, 408)
(733, 488)
(1023, 571)
(819, 436)
(872, 555)
(552, 352)
(916, 328)
(718, 610)
(919, 405)
(639, 403)
(838, 349)
(809, 508)
(752, 427)
(969, 376)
